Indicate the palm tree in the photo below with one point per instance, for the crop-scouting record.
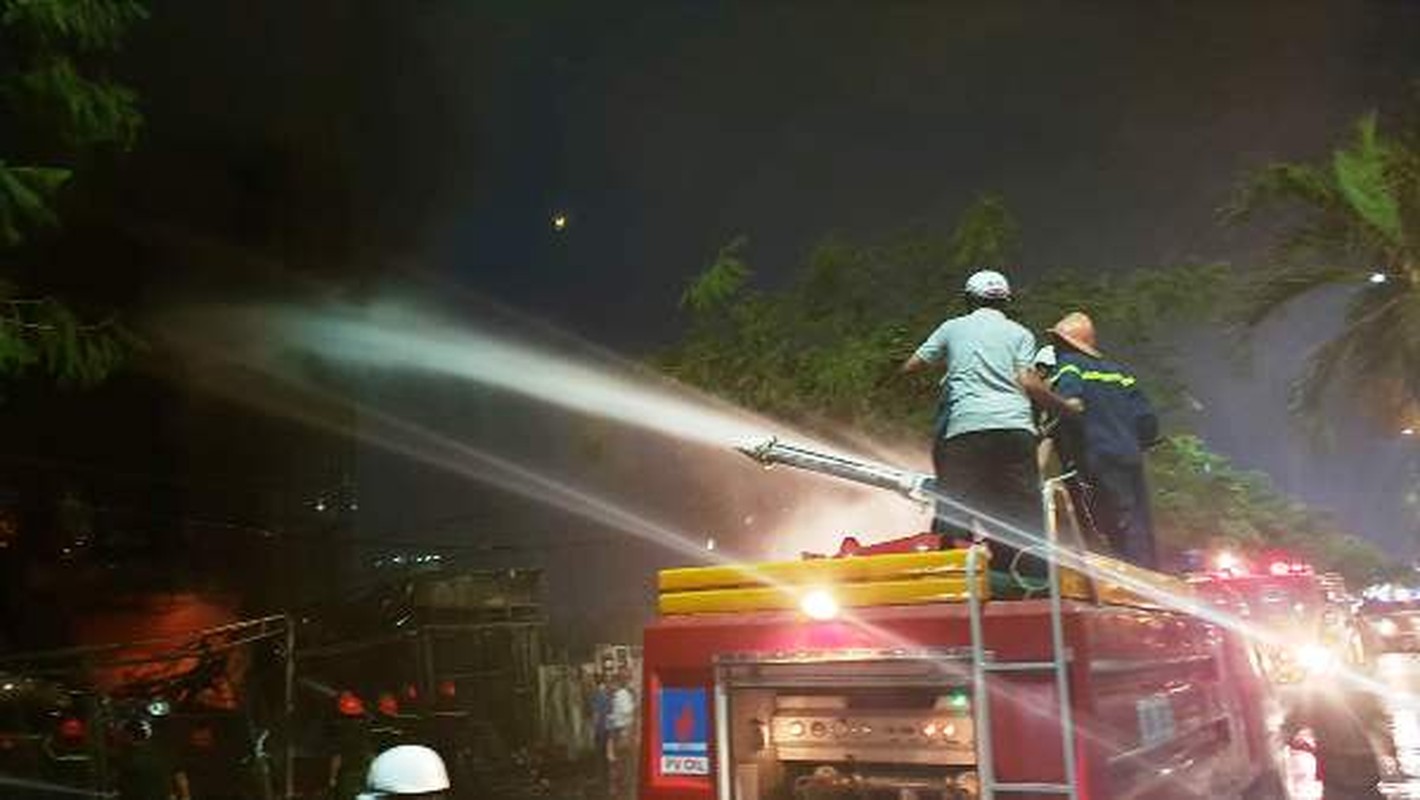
(1352, 220)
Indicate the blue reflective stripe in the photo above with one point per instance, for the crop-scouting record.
(1094, 375)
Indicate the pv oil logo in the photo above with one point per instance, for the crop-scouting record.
(684, 732)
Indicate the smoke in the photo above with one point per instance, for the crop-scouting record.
(819, 526)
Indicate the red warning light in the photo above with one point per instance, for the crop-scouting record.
(72, 728)
(1280, 568)
(448, 690)
(388, 704)
(350, 705)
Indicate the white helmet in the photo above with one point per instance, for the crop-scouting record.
(405, 770)
(988, 284)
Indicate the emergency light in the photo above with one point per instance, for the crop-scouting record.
(72, 728)
(350, 705)
(388, 704)
(819, 604)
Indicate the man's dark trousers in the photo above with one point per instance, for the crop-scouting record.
(1120, 508)
(993, 473)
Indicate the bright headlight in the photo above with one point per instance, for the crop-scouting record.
(819, 604)
(1315, 658)
(1387, 627)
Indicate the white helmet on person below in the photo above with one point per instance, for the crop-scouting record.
(988, 284)
(408, 769)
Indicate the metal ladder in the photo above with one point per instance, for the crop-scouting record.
(983, 665)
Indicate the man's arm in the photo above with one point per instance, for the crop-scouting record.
(1043, 396)
(914, 363)
(1146, 422)
(930, 352)
(1035, 387)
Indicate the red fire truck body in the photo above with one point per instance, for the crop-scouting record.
(767, 703)
(905, 672)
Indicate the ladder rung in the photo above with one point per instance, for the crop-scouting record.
(1017, 666)
(1025, 788)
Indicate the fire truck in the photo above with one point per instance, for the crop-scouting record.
(1308, 613)
(901, 671)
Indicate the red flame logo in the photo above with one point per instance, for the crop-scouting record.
(684, 723)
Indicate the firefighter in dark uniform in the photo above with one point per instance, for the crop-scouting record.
(1104, 444)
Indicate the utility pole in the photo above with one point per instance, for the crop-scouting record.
(290, 715)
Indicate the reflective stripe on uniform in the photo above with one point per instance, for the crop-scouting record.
(1094, 375)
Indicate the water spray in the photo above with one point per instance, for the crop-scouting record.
(394, 339)
(480, 357)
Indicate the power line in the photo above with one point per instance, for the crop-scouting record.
(87, 650)
(161, 658)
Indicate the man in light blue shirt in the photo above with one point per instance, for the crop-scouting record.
(984, 450)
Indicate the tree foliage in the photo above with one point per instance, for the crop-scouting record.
(88, 25)
(64, 110)
(80, 112)
(986, 234)
(27, 196)
(822, 349)
(48, 337)
(720, 282)
(823, 345)
(1350, 220)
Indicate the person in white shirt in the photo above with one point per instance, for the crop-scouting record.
(620, 722)
(984, 444)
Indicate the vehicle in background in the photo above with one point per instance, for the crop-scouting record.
(1390, 627)
(1310, 613)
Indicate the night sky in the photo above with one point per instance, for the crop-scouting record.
(458, 128)
(435, 140)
